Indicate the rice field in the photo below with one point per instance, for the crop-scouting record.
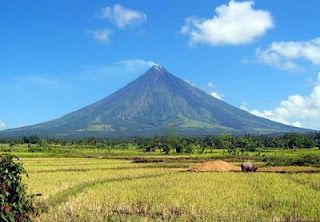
(85, 189)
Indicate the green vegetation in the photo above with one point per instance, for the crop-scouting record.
(231, 144)
(142, 179)
(15, 204)
(284, 150)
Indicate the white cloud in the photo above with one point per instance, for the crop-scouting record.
(216, 95)
(244, 106)
(296, 110)
(101, 35)
(210, 84)
(122, 16)
(235, 23)
(2, 125)
(286, 55)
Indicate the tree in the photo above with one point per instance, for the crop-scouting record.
(318, 143)
(251, 145)
(189, 148)
(123, 146)
(172, 139)
(12, 143)
(33, 139)
(166, 148)
(15, 203)
(317, 140)
(308, 142)
(228, 143)
(210, 142)
(44, 143)
(217, 143)
(180, 148)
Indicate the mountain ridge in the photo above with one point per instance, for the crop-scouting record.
(147, 105)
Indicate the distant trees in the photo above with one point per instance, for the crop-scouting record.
(189, 148)
(33, 139)
(317, 140)
(298, 141)
(172, 143)
(166, 148)
(44, 143)
(11, 144)
(318, 143)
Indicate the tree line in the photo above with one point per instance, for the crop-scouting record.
(182, 144)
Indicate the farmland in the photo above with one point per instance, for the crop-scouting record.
(97, 185)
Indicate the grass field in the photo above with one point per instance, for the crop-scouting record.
(108, 186)
(82, 189)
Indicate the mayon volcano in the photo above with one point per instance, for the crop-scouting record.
(147, 106)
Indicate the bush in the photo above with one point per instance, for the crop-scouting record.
(189, 148)
(306, 160)
(15, 204)
(33, 139)
(33, 149)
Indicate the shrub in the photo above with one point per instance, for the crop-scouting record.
(15, 204)
(306, 160)
(189, 148)
(36, 148)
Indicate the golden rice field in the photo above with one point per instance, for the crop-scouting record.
(79, 189)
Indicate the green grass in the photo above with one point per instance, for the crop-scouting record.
(272, 157)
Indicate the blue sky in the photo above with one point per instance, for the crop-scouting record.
(58, 56)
